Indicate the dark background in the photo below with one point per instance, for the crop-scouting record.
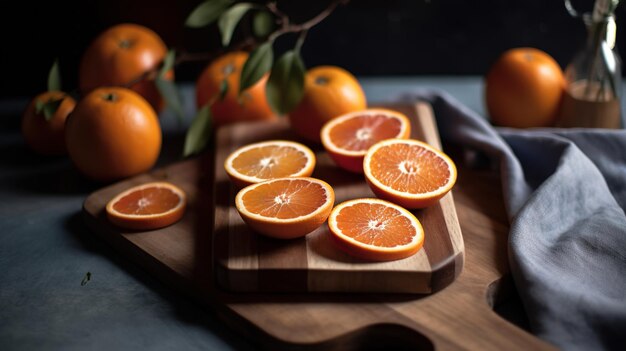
(367, 37)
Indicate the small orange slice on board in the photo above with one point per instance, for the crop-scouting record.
(376, 230)
(348, 137)
(147, 206)
(409, 172)
(286, 208)
(258, 162)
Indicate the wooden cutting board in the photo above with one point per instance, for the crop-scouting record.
(459, 316)
(250, 262)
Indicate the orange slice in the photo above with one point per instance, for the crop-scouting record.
(375, 229)
(348, 137)
(147, 206)
(286, 208)
(408, 172)
(258, 162)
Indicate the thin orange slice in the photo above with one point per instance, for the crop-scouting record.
(286, 208)
(348, 137)
(375, 229)
(409, 172)
(147, 206)
(258, 162)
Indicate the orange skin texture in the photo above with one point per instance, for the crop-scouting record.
(153, 223)
(120, 55)
(251, 106)
(113, 139)
(329, 92)
(47, 137)
(368, 255)
(408, 203)
(353, 164)
(524, 89)
(288, 230)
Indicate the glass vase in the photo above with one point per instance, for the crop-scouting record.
(593, 79)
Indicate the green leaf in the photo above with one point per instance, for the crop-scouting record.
(170, 94)
(168, 63)
(285, 85)
(54, 77)
(262, 24)
(206, 13)
(199, 133)
(48, 108)
(223, 89)
(228, 21)
(259, 63)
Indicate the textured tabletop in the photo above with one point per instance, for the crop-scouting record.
(46, 250)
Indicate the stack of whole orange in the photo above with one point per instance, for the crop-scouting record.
(121, 55)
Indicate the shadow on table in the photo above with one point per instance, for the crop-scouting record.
(186, 311)
(25, 171)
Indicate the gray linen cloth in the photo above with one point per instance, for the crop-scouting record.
(565, 194)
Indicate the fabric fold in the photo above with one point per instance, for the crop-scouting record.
(564, 192)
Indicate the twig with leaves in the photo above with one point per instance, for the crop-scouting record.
(285, 85)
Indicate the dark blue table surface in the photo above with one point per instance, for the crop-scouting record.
(46, 250)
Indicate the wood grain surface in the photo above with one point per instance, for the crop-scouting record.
(250, 262)
(458, 317)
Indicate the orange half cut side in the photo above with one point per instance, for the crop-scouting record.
(348, 137)
(267, 160)
(286, 207)
(409, 172)
(374, 229)
(148, 206)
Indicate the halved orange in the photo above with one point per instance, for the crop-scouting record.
(408, 172)
(147, 206)
(286, 208)
(258, 162)
(348, 137)
(375, 229)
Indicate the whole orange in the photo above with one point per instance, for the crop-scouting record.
(250, 106)
(524, 88)
(113, 133)
(121, 55)
(47, 136)
(329, 91)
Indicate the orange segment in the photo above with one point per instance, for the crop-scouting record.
(348, 137)
(147, 206)
(375, 229)
(409, 172)
(262, 161)
(286, 207)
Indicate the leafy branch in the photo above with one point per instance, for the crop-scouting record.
(285, 85)
(50, 106)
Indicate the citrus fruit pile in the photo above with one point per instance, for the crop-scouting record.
(122, 54)
(279, 199)
(111, 130)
